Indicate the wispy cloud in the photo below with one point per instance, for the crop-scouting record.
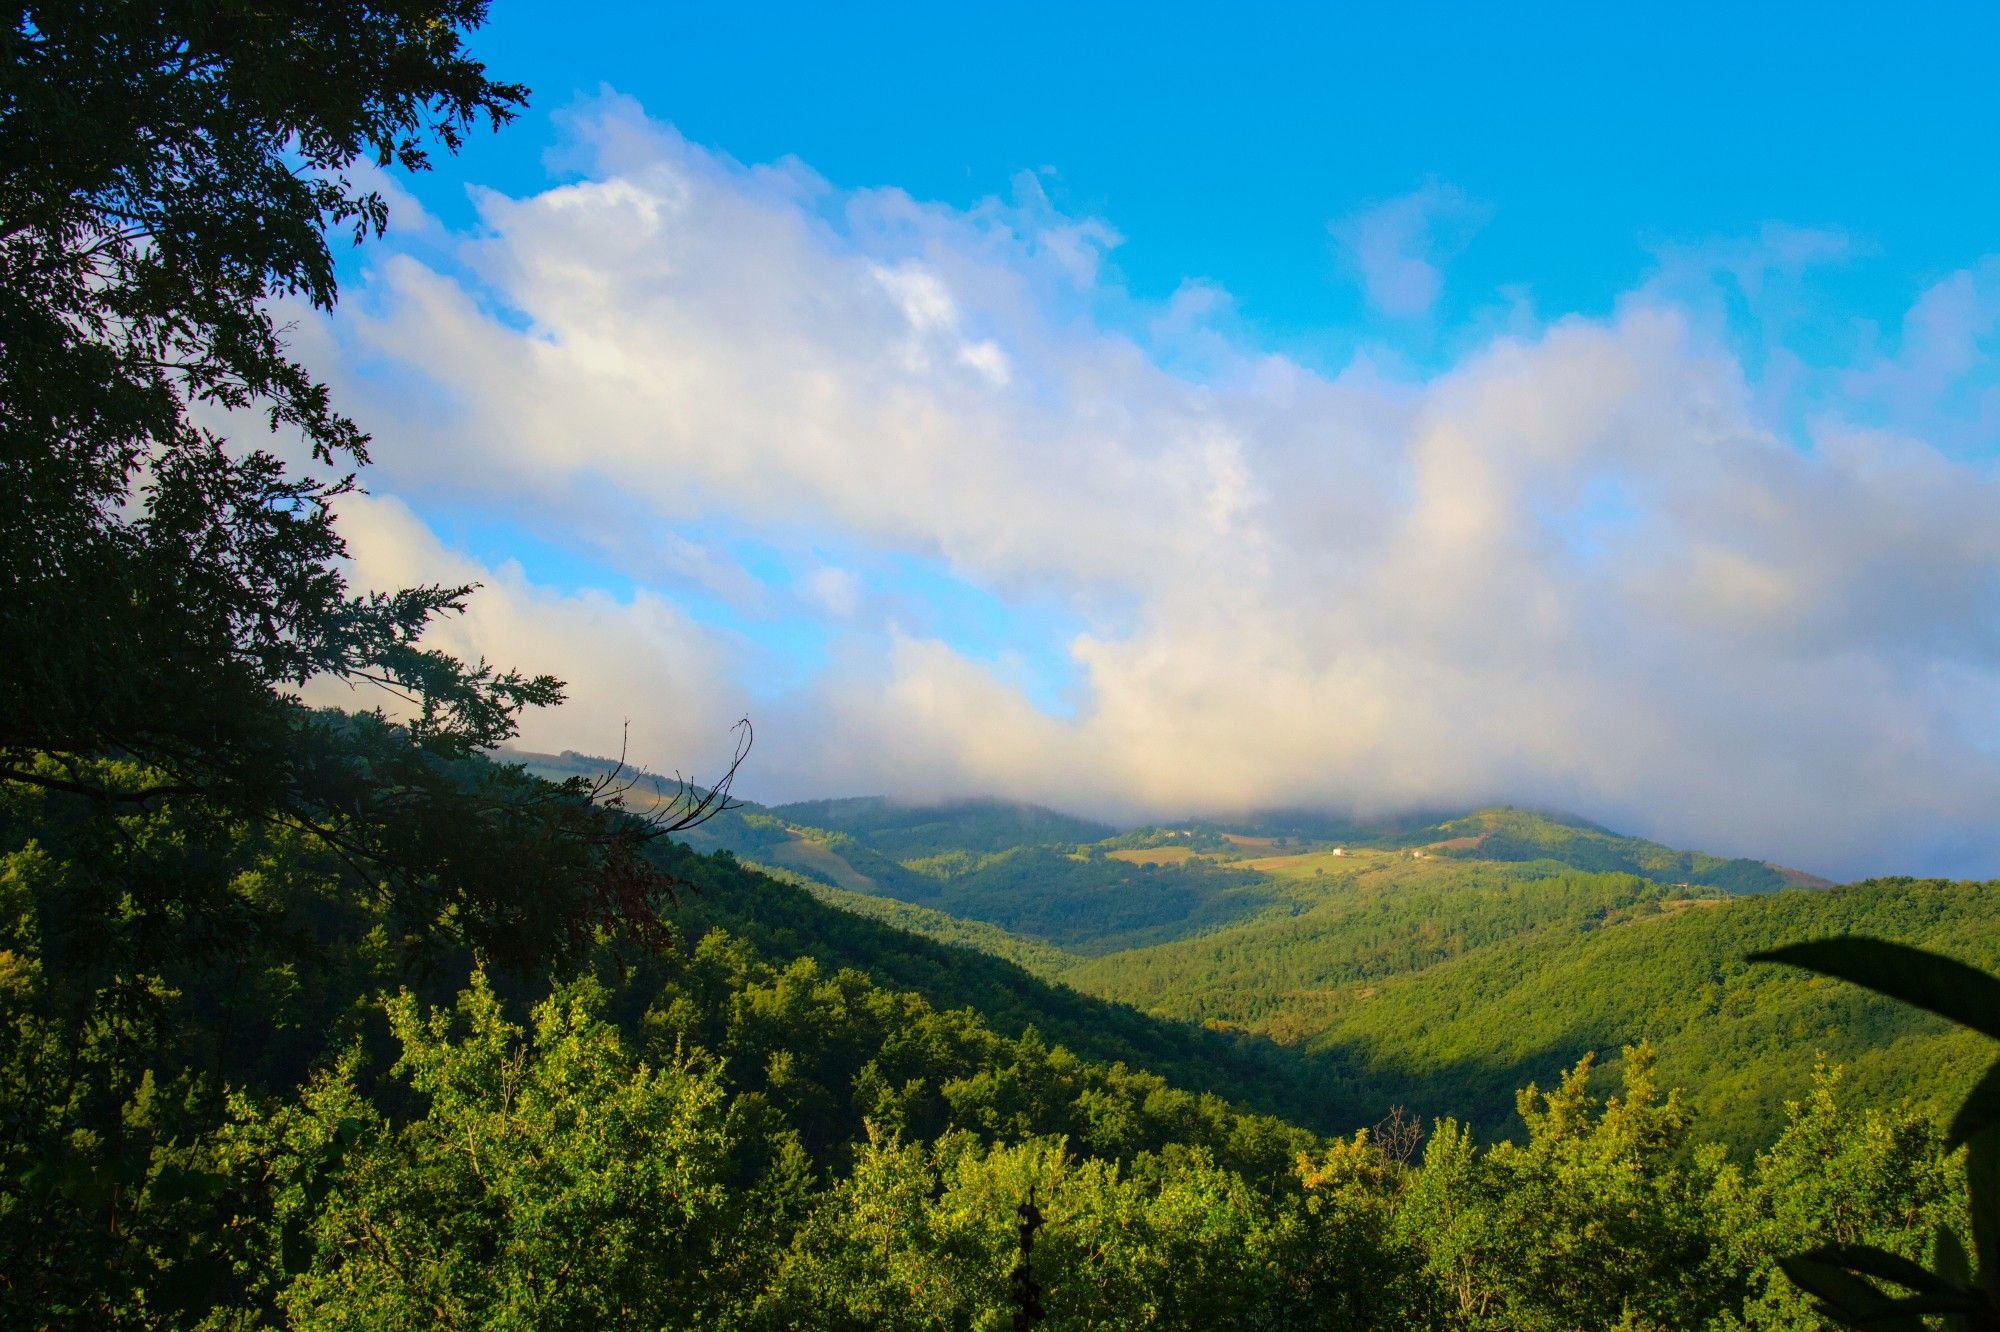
(1397, 248)
(1578, 567)
(1938, 376)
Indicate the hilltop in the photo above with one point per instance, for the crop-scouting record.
(907, 832)
(1437, 960)
(862, 842)
(1499, 833)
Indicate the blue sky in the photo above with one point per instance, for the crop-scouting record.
(1150, 409)
(1221, 141)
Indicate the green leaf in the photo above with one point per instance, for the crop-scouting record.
(1898, 1313)
(1867, 1260)
(1847, 1298)
(1938, 984)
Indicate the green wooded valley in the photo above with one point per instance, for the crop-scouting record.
(1442, 982)
(359, 1018)
(796, 1114)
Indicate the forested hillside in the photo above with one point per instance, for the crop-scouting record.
(1436, 964)
(332, 1019)
(1441, 985)
(905, 832)
(787, 1116)
(1742, 1039)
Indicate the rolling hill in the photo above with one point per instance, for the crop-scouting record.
(905, 832)
(1438, 961)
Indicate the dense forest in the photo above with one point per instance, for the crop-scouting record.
(344, 1019)
(1439, 983)
(788, 1116)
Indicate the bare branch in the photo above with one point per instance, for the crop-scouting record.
(691, 806)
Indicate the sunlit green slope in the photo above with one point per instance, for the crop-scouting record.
(1436, 963)
(1357, 919)
(1459, 1035)
(905, 832)
(1523, 835)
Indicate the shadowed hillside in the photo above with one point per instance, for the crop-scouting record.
(1435, 963)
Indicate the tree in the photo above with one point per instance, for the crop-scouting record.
(1600, 1219)
(188, 848)
(169, 178)
(1847, 1280)
(553, 1180)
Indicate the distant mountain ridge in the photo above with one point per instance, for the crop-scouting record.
(886, 830)
(1509, 834)
(915, 831)
(1438, 960)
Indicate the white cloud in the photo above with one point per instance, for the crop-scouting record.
(833, 590)
(638, 661)
(1398, 246)
(1577, 568)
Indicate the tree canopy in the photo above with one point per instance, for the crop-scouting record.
(172, 180)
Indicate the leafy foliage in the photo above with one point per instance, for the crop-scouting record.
(168, 173)
(1963, 1285)
(1443, 982)
(169, 177)
(797, 1117)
